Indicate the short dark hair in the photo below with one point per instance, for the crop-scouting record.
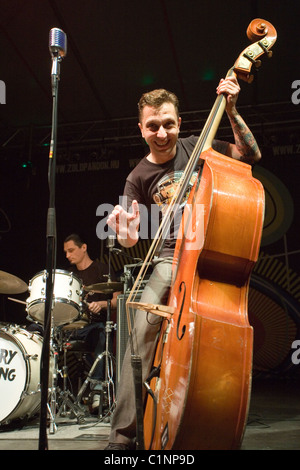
(156, 98)
(77, 239)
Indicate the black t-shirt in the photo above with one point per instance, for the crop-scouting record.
(152, 185)
(94, 274)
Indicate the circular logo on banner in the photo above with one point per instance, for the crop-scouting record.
(279, 206)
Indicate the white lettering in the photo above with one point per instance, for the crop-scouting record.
(102, 229)
(296, 354)
(115, 460)
(296, 94)
(2, 92)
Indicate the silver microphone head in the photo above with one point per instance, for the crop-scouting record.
(110, 242)
(57, 42)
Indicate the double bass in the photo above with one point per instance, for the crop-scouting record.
(199, 397)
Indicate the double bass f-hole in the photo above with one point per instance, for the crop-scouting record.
(182, 286)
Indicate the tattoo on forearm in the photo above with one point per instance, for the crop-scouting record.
(244, 139)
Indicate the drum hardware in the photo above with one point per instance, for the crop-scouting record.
(31, 356)
(107, 392)
(68, 398)
(61, 399)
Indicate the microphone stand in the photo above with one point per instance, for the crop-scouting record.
(121, 252)
(51, 258)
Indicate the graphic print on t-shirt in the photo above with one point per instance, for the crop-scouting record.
(166, 188)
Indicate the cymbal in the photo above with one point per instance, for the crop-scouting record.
(76, 325)
(10, 284)
(104, 287)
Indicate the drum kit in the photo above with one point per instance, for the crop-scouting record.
(21, 349)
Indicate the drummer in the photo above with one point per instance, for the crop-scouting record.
(94, 306)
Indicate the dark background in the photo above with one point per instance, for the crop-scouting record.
(116, 51)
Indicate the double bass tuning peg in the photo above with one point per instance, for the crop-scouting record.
(249, 54)
(264, 43)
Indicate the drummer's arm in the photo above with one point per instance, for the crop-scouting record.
(96, 307)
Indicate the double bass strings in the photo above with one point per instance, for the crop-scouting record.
(203, 143)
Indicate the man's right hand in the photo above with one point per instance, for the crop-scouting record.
(125, 224)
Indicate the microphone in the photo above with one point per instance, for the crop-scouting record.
(110, 243)
(58, 50)
(57, 43)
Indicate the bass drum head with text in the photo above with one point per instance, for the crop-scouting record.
(20, 354)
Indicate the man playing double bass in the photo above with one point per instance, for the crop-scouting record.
(149, 183)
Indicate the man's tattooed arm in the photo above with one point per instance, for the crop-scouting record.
(245, 148)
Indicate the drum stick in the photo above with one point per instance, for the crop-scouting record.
(16, 300)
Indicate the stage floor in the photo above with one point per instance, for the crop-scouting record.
(273, 424)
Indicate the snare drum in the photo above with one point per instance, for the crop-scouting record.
(20, 357)
(67, 292)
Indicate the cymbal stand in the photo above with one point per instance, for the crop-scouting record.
(108, 388)
(65, 391)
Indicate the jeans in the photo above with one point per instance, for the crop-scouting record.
(94, 337)
(146, 331)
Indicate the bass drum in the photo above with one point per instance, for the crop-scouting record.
(66, 297)
(20, 357)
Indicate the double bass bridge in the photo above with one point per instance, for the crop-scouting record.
(164, 311)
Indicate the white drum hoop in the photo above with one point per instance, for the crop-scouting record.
(67, 292)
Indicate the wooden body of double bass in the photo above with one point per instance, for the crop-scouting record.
(205, 350)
